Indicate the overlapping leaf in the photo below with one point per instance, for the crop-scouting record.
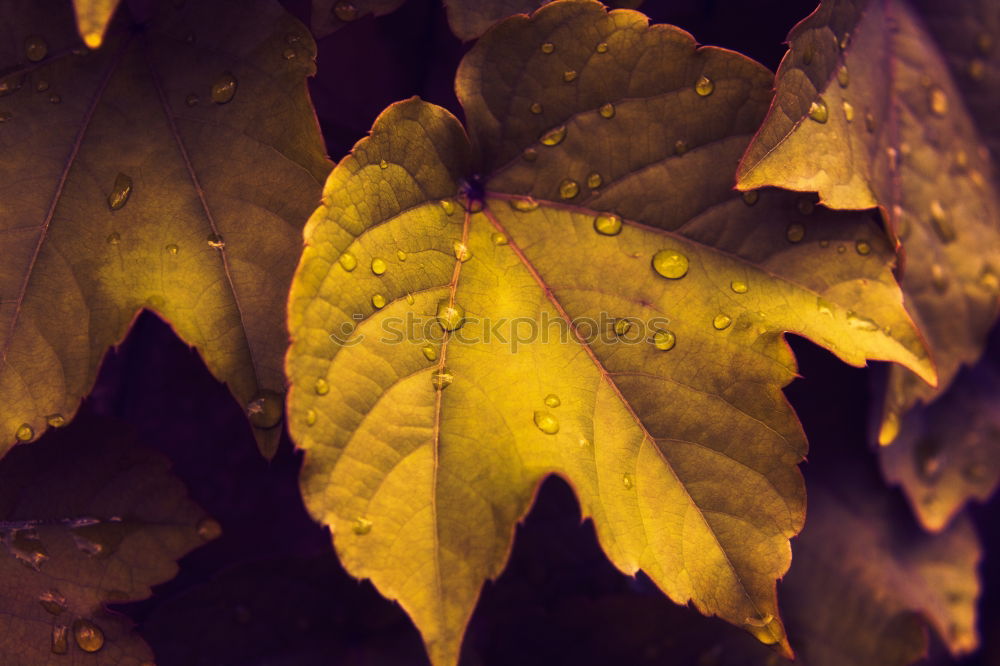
(866, 113)
(599, 143)
(172, 169)
(92, 18)
(87, 517)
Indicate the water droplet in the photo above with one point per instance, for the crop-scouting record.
(441, 379)
(24, 433)
(627, 481)
(704, 86)
(429, 353)
(266, 409)
(345, 11)
(738, 286)
(818, 111)
(400, 255)
(664, 340)
(795, 232)
(568, 188)
(114, 238)
(53, 602)
(361, 526)
(750, 197)
(569, 75)
(461, 251)
(535, 108)
(523, 204)
(55, 420)
(548, 48)
(602, 47)
(863, 247)
(383, 164)
(88, 636)
(60, 639)
(215, 241)
(348, 262)
(546, 422)
(670, 264)
(378, 301)
(379, 266)
(938, 278)
(120, 192)
(191, 100)
(861, 323)
(848, 111)
(172, 249)
(680, 146)
(869, 122)
(607, 110)
(607, 224)
(209, 529)
(498, 238)
(937, 100)
(552, 400)
(824, 242)
(311, 417)
(224, 89)
(322, 387)
(450, 316)
(54, 98)
(721, 322)
(35, 48)
(594, 180)
(529, 155)
(448, 206)
(942, 225)
(760, 621)
(554, 136)
(622, 327)
(889, 430)
(843, 76)
(976, 69)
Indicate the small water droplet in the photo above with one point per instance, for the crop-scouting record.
(450, 316)
(546, 422)
(848, 111)
(569, 75)
(602, 47)
(345, 11)
(441, 379)
(552, 400)
(622, 327)
(448, 206)
(568, 188)
(24, 433)
(498, 238)
(120, 192)
(289, 54)
(824, 243)
(795, 232)
(361, 526)
(889, 430)
(429, 353)
(535, 108)
(88, 636)
(322, 387)
(215, 241)
(348, 262)
(680, 146)
(664, 340)
(607, 110)
(860, 323)
(114, 238)
(937, 100)
(627, 481)
(172, 249)
(721, 322)
(54, 98)
(938, 278)
(224, 89)
(400, 255)
(35, 48)
(942, 225)
(818, 111)
(554, 136)
(192, 100)
(863, 247)
(704, 86)
(53, 602)
(266, 409)
(594, 180)
(378, 301)
(461, 251)
(209, 529)
(738, 286)
(824, 307)
(383, 164)
(311, 417)
(60, 639)
(379, 266)
(56, 420)
(670, 264)
(869, 122)
(607, 224)
(548, 48)
(529, 155)
(750, 197)
(523, 204)
(843, 76)
(760, 621)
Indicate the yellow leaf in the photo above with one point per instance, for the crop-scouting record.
(472, 314)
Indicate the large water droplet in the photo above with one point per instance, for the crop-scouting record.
(266, 409)
(670, 264)
(322, 387)
(795, 232)
(35, 48)
(224, 89)
(738, 286)
(568, 188)
(88, 636)
(441, 379)
(704, 86)
(379, 266)
(721, 322)
(348, 262)
(382, 164)
(664, 340)
(818, 111)
(546, 422)
(172, 249)
(461, 251)
(345, 11)
(120, 192)
(607, 111)
(450, 316)
(378, 301)
(937, 100)
(607, 224)
(554, 136)
(552, 400)
(24, 433)
(760, 620)
(53, 602)
(361, 526)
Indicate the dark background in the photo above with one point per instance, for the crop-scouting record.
(270, 590)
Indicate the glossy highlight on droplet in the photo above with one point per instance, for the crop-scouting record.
(224, 88)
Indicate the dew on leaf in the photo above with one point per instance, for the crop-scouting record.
(216, 241)
(60, 639)
(602, 47)
(860, 323)
(461, 251)
(56, 420)
(607, 110)
(379, 266)
(535, 108)
(289, 54)
(721, 322)
(937, 100)
(607, 224)
(401, 255)
(529, 155)
(53, 602)
(622, 327)
(546, 422)
(680, 146)
(42, 85)
(568, 188)
(172, 248)
(738, 286)
(378, 301)
(704, 86)
(120, 192)
(594, 180)
(88, 636)
(429, 353)
(818, 111)
(569, 75)
(35, 48)
(322, 387)
(24, 433)
(552, 400)
(760, 621)
(805, 206)
(54, 98)
(863, 247)
(450, 316)
(361, 526)
(311, 417)
(114, 238)
(976, 69)
(266, 409)
(889, 430)
(5, 116)
(192, 100)
(523, 204)
(383, 164)
(843, 76)
(670, 264)
(348, 261)
(627, 481)
(441, 379)
(448, 206)
(750, 197)
(498, 238)
(664, 340)
(224, 89)
(548, 48)
(554, 136)
(848, 111)
(938, 278)
(869, 122)
(795, 232)
(940, 222)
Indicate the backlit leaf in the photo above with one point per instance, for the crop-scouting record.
(425, 448)
(330, 15)
(866, 113)
(92, 17)
(87, 518)
(172, 169)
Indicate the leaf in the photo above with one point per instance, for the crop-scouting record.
(92, 17)
(119, 192)
(87, 518)
(680, 446)
(947, 452)
(328, 16)
(897, 136)
(469, 19)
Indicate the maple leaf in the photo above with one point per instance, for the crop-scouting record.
(82, 527)
(92, 18)
(604, 150)
(171, 170)
(866, 113)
